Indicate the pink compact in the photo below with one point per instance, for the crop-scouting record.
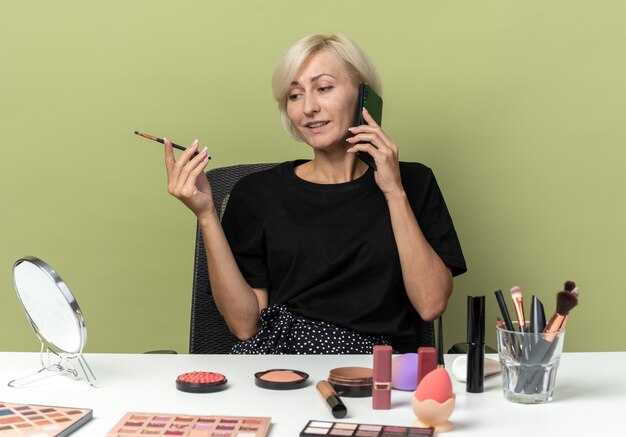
(351, 382)
(201, 382)
(281, 379)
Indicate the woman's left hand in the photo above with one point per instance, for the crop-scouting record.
(370, 138)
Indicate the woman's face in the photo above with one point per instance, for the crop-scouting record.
(321, 101)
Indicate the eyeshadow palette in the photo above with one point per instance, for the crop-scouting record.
(23, 420)
(316, 428)
(157, 424)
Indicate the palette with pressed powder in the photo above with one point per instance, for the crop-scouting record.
(281, 379)
(316, 428)
(158, 424)
(24, 420)
(352, 382)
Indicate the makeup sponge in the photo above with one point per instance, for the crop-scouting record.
(433, 401)
(436, 385)
(404, 372)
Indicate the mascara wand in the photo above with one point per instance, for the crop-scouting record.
(440, 362)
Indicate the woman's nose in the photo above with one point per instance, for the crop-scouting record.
(311, 104)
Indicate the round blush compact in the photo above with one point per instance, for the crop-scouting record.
(281, 379)
(201, 382)
(352, 382)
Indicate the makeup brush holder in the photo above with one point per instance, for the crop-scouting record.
(529, 364)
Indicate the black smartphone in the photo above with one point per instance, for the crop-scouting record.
(371, 101)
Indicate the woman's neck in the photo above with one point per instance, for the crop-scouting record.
(326, 169)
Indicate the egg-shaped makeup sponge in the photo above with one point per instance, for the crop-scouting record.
(436, 385)
(404, 372)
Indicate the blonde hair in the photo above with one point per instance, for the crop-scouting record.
(358, 65)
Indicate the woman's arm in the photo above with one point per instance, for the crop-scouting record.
(239, 303)
(428, 281)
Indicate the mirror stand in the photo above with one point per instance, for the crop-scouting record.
(55, 317)
(54, 363)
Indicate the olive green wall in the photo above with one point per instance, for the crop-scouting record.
(518, 107)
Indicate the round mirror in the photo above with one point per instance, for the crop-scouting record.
(49, 305)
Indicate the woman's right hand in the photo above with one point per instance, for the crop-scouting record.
(186, 180)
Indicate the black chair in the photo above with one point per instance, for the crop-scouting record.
(209, 333)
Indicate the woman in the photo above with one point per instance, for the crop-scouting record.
(325, 255)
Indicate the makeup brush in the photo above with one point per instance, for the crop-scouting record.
(565, 302)
(572, 288)
(507, 323)
(537, 316)
(516, 295)
(162, 141)
(505, 337)
(542, 352)
(440, 362)
(506, 317)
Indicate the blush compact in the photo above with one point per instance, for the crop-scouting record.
(201, 382)
(281, 379)
(352, 382)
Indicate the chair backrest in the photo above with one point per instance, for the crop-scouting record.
(425, 333)
(209, 333)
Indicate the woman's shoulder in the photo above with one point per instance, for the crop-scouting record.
(415, 170)
(264, 180)
(273, 171)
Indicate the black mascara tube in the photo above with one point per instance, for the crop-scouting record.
(475, 344)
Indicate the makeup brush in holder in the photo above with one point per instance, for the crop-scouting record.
(530, 356)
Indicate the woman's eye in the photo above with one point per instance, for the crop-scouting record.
(293, 97)
(325, 88)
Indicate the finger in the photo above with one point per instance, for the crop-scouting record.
(169, 156)
(368, 148)
(190, 151)
(371, 123)
(187, 169)
(380, 154)
(185, 177)
(182, 161)
(367, 116)
(377, 138)
(191, 185)
(367, 137)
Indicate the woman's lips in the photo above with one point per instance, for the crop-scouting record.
(317, 124)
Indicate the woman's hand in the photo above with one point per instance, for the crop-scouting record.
(186, 180)
(384, 152)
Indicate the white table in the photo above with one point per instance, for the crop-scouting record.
(590, 395)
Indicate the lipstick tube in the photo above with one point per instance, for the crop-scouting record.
(331, 398)
(381, 391)
(475, 344)
(426, 361)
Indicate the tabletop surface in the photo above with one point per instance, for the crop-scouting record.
(590, 394)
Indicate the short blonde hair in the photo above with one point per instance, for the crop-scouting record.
(358, 65)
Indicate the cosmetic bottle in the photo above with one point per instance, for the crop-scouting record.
(475, 343)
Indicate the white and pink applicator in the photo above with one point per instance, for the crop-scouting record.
(433, 401)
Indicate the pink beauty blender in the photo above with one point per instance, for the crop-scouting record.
(436, 385)
(433, 401)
